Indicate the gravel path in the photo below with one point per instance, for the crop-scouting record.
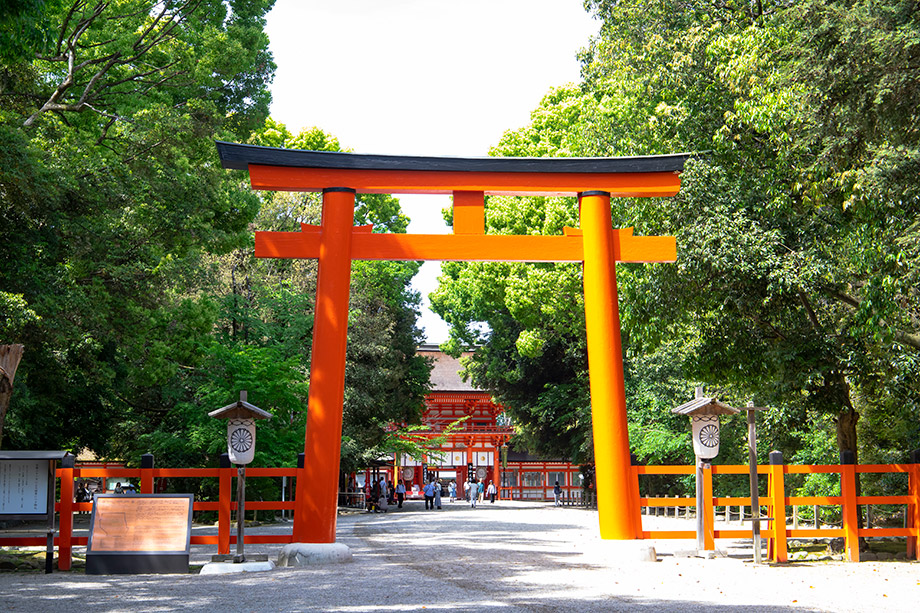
(509, 556)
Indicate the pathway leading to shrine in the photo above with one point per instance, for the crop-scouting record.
(512, 556)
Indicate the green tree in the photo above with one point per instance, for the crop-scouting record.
(111, 199)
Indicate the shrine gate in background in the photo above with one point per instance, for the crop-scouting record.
(336, 242)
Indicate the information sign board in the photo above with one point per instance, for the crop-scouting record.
(140, 533)
(24, 487)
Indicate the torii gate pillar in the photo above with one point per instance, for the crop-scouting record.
(617, 512)
(327, 372)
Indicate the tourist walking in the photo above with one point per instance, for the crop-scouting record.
(429, 495)
(482, 490)
(474, 493)
(452, 489)
(557, 494)
(466, 490)
(437, 494)
(400, 493)
(490, 491)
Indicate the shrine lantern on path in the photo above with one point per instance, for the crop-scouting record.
(704, 413)
(241, 446)
(241, 428)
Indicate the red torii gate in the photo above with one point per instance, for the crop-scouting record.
(336, 242)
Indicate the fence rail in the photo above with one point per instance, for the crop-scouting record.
(776, 502)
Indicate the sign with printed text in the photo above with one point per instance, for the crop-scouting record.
(24, 487)
(144, 523)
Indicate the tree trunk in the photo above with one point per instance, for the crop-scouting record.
(10, 355)
(846, 440)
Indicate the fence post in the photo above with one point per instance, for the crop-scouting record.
(779, 552)
(709, 542)
(224, 505)
(300, 488)
(634, 486)
(913, 508)
(147, 473)
(850, 509)
(65, 522)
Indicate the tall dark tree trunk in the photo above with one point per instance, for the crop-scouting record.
(846, 440)
(10, 355)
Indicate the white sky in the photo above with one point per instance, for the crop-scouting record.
(421, 77)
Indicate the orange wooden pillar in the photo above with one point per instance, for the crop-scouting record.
(777, 500)
(913, 507)
(617, 511)
(65, 520)
(850, 510)
(315, 516)
(708, 510)
(225, 504)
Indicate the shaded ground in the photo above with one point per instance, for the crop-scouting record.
(509, 556)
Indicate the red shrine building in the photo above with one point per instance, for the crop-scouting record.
(478, 446)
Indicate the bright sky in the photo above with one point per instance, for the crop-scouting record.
(421, 77)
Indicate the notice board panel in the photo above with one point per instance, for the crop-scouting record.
(24, 487)
(140, 533)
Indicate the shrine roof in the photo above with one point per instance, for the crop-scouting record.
(238, 156)
(445, 374)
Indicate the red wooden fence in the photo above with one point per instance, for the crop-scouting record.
(776, 501)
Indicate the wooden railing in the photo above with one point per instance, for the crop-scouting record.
(776, 502)
(65, 541)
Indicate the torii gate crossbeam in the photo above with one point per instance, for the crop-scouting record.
(336, 242)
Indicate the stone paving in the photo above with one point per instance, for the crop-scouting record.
(509, 556)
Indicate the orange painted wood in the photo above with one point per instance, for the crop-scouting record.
(877, 532)
(626, 184)
(224, 508)
(186, 472)
(731, 500)
(883, 468)
(776, 500)
(850, 511)
(665, 470)
(812, 500)
(618, 511)
(737, 469)
(733, 534)
(469, 213)
(794, 469)
(884, 500)
(468, 247)
(315, 518)
(269, 472)
(913, 512)
(709, 515)
(65, 519)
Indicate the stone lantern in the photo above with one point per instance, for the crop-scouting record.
(704, 415)
(241, 447)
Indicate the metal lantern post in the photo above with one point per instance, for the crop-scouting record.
(241, 446)
(704, 415)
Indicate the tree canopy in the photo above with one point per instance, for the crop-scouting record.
(795, 284)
